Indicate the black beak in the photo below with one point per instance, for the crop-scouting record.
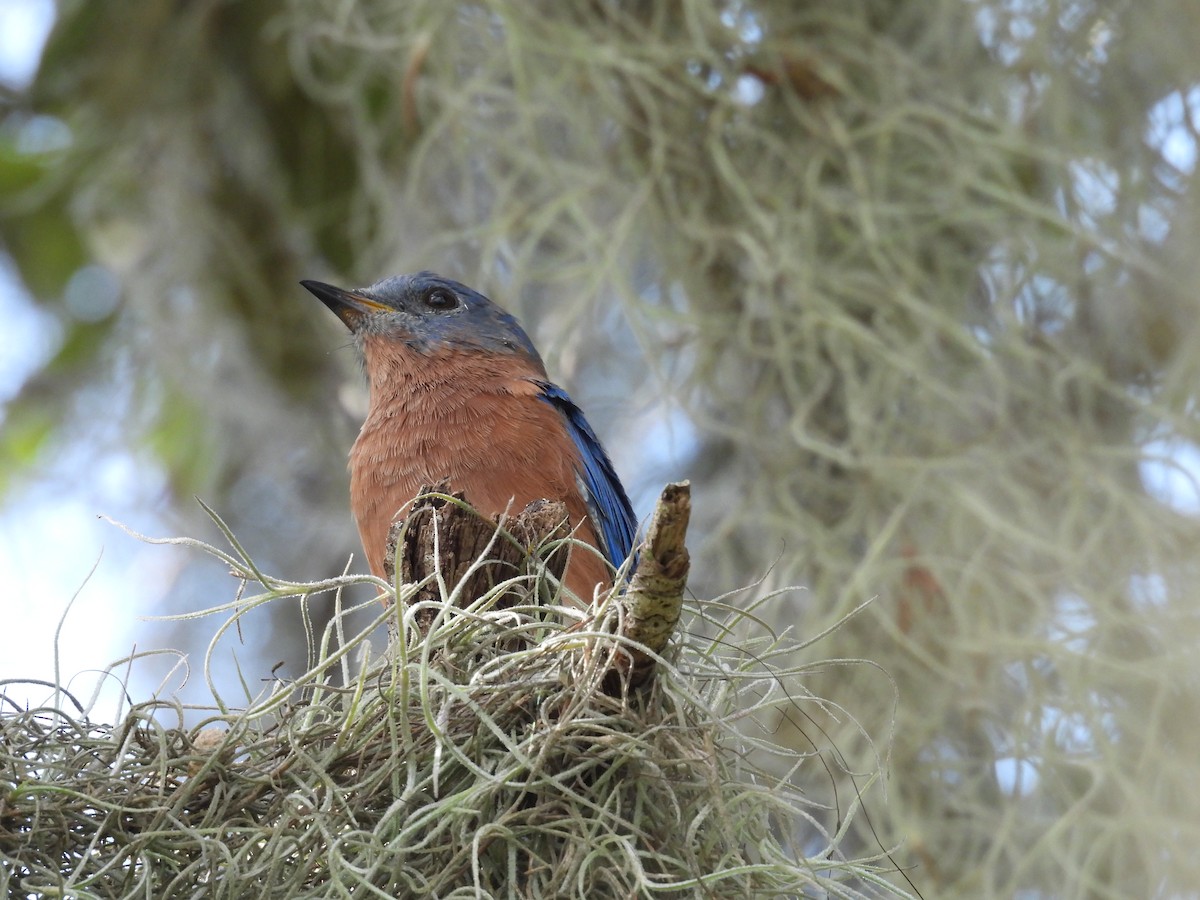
(349, 306)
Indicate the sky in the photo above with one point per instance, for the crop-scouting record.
(63, 567)
(24, 25)
(55, 548)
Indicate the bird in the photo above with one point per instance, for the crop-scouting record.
(458, 392)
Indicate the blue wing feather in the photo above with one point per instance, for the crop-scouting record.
(607, 503)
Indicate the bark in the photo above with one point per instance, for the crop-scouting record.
(443, 538)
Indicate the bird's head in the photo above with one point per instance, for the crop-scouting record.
(428, 313)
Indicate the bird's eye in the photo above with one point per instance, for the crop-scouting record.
(440, 298)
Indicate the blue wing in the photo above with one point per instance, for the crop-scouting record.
(606, 500)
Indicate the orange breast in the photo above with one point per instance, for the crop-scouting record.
(475, 420)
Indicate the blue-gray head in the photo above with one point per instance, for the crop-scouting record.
(428, 313)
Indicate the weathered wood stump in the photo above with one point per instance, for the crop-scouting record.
(442, 537)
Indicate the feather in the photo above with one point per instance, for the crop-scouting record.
(607, 503)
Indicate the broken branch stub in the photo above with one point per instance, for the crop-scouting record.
(442, 536)
(654, 599)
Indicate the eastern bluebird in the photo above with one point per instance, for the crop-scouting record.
(458, 392)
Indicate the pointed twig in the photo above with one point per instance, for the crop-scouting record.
(654, 599)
